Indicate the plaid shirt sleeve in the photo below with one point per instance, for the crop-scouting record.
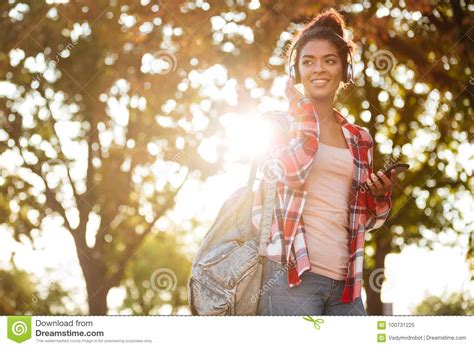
(378, 208)
(291, 163)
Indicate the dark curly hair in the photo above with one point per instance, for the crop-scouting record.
(321, 27)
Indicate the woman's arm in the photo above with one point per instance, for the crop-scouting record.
(291, 163)
(377, 207)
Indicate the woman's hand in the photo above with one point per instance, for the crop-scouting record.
(378, 187)
(292, 94)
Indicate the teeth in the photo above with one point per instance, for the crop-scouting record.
(319, 82)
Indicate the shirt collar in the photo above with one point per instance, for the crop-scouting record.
(348, 127)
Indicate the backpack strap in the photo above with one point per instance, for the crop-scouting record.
(267, 209)
(253, 173)
(267, 215)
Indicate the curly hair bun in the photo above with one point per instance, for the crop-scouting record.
(331, 19)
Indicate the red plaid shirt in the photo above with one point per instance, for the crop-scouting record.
(289, 165)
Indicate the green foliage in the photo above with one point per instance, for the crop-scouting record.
(454, 304)
(156, 279)
(20, 293)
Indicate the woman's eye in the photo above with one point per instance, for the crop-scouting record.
(332, 61)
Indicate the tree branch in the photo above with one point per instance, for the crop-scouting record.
(73, 185)
(51, 199)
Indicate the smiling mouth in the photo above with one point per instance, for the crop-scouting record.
(319, 82)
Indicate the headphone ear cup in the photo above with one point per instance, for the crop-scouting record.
(349, 76)
(294, 73)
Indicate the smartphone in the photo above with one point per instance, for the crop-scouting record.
(399, 167)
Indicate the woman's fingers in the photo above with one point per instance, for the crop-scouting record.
(388, 182)
(373, 190)
(379, 184)
(384, 179)
(375, 185)
(291, 92)
(376, 182)
(290, 82)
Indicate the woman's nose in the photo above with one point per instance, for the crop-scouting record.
(317, 67)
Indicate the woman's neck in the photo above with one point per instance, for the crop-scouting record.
(325, 111)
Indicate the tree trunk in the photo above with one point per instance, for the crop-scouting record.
(97, 300)
(93, 270)
(373, 286)
(97, 289)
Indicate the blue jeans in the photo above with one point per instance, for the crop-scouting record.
(316, 295)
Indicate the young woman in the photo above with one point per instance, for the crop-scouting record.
(315, 250)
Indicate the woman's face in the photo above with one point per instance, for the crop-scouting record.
(319, 60)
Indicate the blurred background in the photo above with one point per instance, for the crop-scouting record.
(126, 124)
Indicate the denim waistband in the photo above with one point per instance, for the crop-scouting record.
(279, 267)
